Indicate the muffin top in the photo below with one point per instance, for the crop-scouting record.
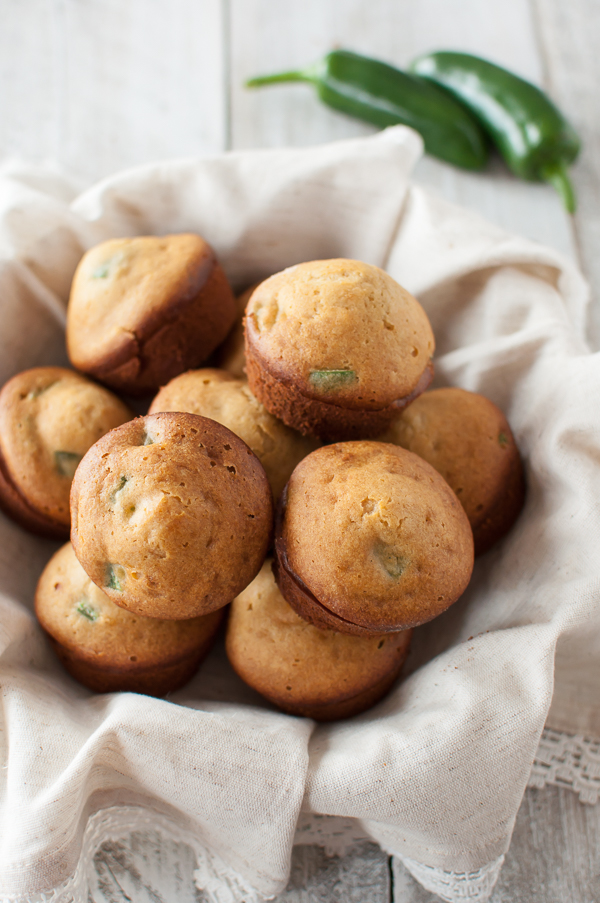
(49, 418)
(469, 442)
(171, 515)
(282, 655)
(79, 616)
(218, 395)
(340, 331)
(123, 287)
(376, 535)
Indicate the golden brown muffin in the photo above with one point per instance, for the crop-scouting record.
(230, 356)
(171, 515)
(49, 418)
(144, 309)
(469, 442)
(370, 539)
(218, 395)
(320, 674)
(336, 348)
(107, 648)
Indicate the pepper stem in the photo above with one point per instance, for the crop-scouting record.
(310, 74)
(299, 75)
(557, 175)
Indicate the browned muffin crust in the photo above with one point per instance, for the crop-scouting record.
(109, 649)
(370, 539)
(336, 348)
(299, 597)
(468, 440)
(155, 681)
(143, 310)
(348, 708)
(171, 515)
(342, 331)
(503, 514)
(320, 674)
(328, 422)
(220, 396)
(49, 417)
(16, 506)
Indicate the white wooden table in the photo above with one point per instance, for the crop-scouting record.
(93, 86)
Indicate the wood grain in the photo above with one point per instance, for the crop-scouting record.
(554, 855)
(97, 86)
(570, 38)
(146, 867)
(363, 876)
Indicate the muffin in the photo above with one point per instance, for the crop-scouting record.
(218, 395)
(320, 674)
(230, 356)
(49, 418)
(336, 348)
(107, 648)
(171, 515)
(370, 539)
(469, 442)
(144, 309)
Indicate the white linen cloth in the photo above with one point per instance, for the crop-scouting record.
(436, 772)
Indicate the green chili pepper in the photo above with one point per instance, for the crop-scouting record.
(87, 610)
(330, 380)
(532, 135)
(66, 463)
(392, 562)
(382, 95)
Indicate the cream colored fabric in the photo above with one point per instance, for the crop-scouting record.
(435, 772)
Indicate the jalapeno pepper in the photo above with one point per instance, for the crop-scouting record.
(532, 135)
(382, 95)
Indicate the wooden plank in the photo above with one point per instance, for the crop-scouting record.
(102, 85)
(268, 37)
(362, 876)
(554, 855)
(570, 37)
(145, 867)
(29, 88)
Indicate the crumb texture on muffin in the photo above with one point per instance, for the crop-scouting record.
(341, 332)
(108, 648)
(318, 673)
(171, 515)
(144, 309)
(49, 418)
(218, 395)
(468, 440)
(375, 535)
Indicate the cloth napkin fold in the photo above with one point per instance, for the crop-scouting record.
(436, 772)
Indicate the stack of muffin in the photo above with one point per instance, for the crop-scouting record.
(384, 491)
